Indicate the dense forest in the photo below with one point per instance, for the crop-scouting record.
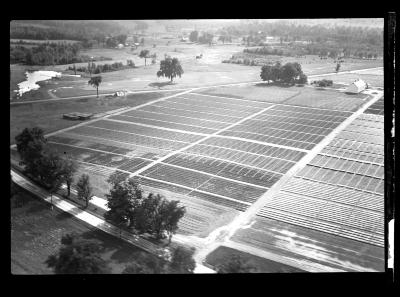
(47, 54)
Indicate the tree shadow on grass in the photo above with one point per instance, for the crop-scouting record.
(121, 251)
(35, 208)
(160, 84)
(64, 215)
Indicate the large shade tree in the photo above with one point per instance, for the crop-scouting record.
(170, 68)
(124, 196)
(30, 145)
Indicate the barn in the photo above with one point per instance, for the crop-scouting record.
(357, 86)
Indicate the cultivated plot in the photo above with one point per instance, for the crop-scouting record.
(341, 190)
(205, 149)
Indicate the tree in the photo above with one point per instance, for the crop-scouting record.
(84, 188)
(78, 256)
(156, 215)
(182, 260)
(123, 198)
(266, 73)
(69, 167)
(170, 67)
(235, 264)
(51, 171)
(30, 144)
(337, 67)
(170, 214)
(194, 35)
(302, 79)
(95, 82)
(276, 72)
(289, 73)
(144, 54)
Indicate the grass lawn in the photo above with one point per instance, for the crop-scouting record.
(223, 253)
(258, 92)
(36, 232)
(48, 115)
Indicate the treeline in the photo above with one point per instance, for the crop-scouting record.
(129, 207)
(321, 49)
(47, 54)
(264, 51)
(355, 40)
(73, 30)
(315, 33)
(96, 69)
(203, 38)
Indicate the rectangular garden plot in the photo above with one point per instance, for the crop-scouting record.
(204, 182)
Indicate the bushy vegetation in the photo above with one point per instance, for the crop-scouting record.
(152, 214)
(264, 51)
(96, 69)
(323, 83)
(41, 162)
(290, 73)
(78, 255)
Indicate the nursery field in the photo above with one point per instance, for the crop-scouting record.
(337, 197)
(219, 155)
(207, 148)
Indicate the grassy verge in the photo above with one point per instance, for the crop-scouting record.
(48, 115)
(223, 253)
(36, 232)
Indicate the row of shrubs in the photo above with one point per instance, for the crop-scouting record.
(96, 69)
(323, 83)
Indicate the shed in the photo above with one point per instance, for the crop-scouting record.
(77, 116)
(357, 86)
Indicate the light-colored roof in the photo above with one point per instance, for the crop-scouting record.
(357, 86)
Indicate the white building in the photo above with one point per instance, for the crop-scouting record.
(357, 86)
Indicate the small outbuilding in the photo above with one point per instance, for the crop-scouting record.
(77, 116)
(357, 87)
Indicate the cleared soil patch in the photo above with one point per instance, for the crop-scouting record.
(36, 232)
(263, 265)
(305, 246)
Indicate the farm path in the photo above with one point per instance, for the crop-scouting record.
(223, 234)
